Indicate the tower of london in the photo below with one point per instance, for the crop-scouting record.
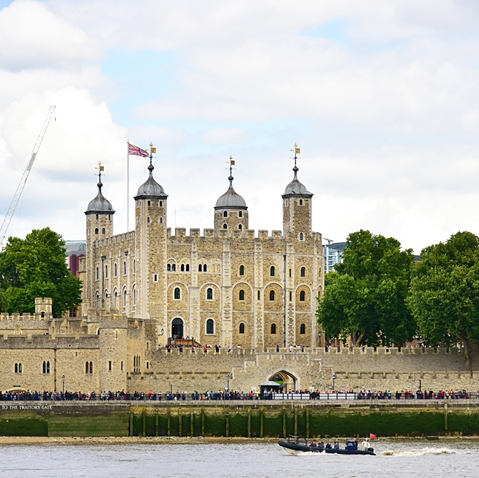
(228, 286)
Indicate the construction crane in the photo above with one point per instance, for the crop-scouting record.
(18, 192)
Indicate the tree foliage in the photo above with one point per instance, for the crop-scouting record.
(444, 295)
(365, 298)
(36, 267)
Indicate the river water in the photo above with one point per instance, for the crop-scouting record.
(448, 458)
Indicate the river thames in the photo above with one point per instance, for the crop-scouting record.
(458, 458)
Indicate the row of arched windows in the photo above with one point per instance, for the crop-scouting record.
(182, 268)
(240, 226)
(210, 328)
(172, 267)
(241, 294)
(115, 270)
(225, 213)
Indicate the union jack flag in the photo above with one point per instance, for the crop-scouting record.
(136, 151)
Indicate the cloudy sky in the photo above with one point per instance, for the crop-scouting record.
(382, 97)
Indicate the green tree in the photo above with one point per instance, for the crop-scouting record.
(365, 298)
(36, 267)
(444, 294)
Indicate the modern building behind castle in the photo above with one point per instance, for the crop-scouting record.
(228, 286)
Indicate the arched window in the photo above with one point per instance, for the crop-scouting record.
(133, 291)
(290, 296)
(302, 329)
(97, 299)
(303, 271)
(177, 293)
(205, 268)
(271, 295)
(300, 202)
(173, 267)
(96, 230)
(106, 271)
(210, 326)
(302, 296)
(259, 295)
(116, 269)
(225, 213)
(124, 268)
(46, 367)
(187, 268)
(89, 368)
(272, 271)
(103, 230)
(241, 294)
(301, 236)
(225, 226)
(241, 328)
(182, 268)
(209, 294)
(241, 270)
(18, 368)
(124, 297)
(200, 267)
(240, 227)
(273, 329)
(115, 299)
(240, 213)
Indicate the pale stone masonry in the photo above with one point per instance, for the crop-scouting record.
(228, 286)
(245, 292)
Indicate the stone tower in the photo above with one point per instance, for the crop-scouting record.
(99, 225)
(297, 207)
(231, 211)
(149, 300)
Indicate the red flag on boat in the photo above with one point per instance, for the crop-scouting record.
(372, 436)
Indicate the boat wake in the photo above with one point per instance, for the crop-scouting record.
(424, 451)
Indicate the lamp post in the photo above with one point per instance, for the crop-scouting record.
(228, 377)
(63, 378)
(334, 380)
(157, 388)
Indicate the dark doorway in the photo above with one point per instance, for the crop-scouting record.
(177, 328)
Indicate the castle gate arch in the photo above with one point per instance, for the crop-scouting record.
(288, 381)
(177, 328)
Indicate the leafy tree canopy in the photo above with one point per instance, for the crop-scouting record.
(36, 267)
(444, 295)
(365, 298)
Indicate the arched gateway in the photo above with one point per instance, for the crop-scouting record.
(177, 329)
(288, 381)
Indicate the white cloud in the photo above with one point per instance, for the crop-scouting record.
(32, 36)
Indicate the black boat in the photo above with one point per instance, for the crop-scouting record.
(298, 445)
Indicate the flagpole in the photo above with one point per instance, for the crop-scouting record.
(128, 186)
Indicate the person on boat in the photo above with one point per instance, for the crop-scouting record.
(328, 446)
(321, 445)
(336, 445)
(313, 444)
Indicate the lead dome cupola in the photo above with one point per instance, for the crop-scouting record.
(99, 204)
(231, 199)
(150, 188)
(295, 187)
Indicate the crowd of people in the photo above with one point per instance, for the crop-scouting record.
(235, 395)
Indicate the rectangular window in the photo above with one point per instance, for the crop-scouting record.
(109, 365)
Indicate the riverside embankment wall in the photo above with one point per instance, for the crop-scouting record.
(251, 419)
